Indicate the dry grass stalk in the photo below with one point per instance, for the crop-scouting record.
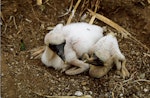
(73, 12)
(121, 30)
(148, 1)
(37, 52)
(110, 23)
(49, 28)
(147, 54)
(1, 16)
(95, 10)
(39, 2)
(141, 80)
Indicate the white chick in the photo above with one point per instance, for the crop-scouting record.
(107, 48)
(79, 38)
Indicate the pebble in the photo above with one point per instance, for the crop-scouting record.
(69, 94)
(72, 80)
(2, 74)
(90, 92)
(31, 57)
(83, 83)
(11, 49)
(17, 62)
(13, 63)
(145, 90)
(78, 93)
(85, 88)
(28, 20)
(37, 75)
(121, 95)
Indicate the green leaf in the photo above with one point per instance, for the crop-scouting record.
(22, 46)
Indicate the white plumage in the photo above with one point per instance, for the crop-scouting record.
(79, 37)
(106, 48)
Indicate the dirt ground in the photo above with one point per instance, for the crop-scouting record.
(23, 77)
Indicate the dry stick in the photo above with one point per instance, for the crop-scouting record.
(2, 17)
(39, 2)
(73, 12)
(117, 27)
(5, 28)
(112, 95)
(141, 80)
(14, 20)
(82, 8)
(146, 54)
(19, 30)
(109, 22)
(37, 52)
(95, 10)
(49, 28)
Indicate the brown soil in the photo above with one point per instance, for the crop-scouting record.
(23, 77)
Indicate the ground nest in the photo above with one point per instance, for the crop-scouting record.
(24, 25)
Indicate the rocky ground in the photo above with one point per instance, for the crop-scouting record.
(23, 77)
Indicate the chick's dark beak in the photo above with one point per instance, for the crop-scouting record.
(58, 49)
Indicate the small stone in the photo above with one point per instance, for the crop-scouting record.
(72, 80)
(51, 89)
(142, 75)
(13, 63)
(69, 94)
(83, 83)
(85, 88)
(11, 49)
(121, 95)
(137, 53)
(31, 57)
(2, 74)
(145, 90)
(37, 75)
(90, 92)
(17, 62)
(28, 20)
(78, 93)
(42, 26)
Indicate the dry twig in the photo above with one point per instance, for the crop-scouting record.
(95, 10)
(121, 30)
(14, 20)
(147, 54)
(5, 28)
(110, 23)
(37, 52)
(73, 12)
(141, 80)
(2, 17)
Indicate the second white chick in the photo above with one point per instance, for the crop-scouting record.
(106, 48)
